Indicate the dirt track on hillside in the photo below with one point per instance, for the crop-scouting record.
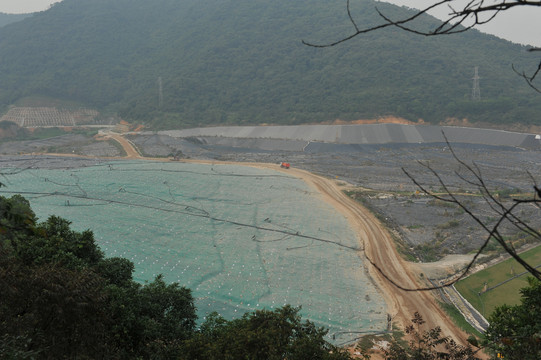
(131, 151)
(378, 246)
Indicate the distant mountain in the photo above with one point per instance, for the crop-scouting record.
(6, 19)
(180, 63)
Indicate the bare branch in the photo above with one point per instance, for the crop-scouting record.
(460, 19)
(529, 79)
(351, 18)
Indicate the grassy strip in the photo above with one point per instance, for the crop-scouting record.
(459, 320)
(472, 288)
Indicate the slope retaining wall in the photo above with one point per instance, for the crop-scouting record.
(360, 134)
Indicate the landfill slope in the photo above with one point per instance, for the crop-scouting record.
(363, 134)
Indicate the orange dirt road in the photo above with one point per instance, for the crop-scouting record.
(131, 151)
(379, 246)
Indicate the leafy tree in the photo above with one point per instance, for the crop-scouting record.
(62, 299)
(515, 331)
(167, 313)
(117, 271)
(151, 320)
(55, 242)
(263, 334)
(427, 345)
(57, 311)
(17, 221)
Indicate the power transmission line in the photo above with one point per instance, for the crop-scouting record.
(476, 91)
(160, 92)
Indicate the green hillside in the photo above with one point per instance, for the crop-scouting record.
(242, 61)
(6, 19)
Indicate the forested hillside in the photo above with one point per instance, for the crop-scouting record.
(11, 18)
(242, 61)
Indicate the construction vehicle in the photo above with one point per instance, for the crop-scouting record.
(284, 165)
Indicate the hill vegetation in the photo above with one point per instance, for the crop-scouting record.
(242, 62)
(6, 19)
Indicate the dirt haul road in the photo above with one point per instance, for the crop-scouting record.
(379, 247)
(377, 244)
(131, 151)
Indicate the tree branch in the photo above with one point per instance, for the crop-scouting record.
(493, 232)
(461, 19)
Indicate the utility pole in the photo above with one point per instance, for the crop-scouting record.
(160, 93)
(476, 91)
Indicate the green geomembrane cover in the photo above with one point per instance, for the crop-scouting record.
(241, 238)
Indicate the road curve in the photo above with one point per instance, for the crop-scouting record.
(380, 248)
(129, 148)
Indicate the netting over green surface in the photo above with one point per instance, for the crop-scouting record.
(240, 238)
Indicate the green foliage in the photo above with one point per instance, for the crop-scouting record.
(459, 320)
(168, 306)
(117, 271)
(17, 220)
(515, 331)
(5, 125)
(151, 320)
(58, 312)
(448, 225)
(239, 62)
(6, 19)
(16, 347)
(263, 334)
(506, 193)
(12, 132)
(427, 345)
(62, 299)
(55, 242)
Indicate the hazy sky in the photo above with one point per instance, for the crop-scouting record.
(521, 25)
(24, 6)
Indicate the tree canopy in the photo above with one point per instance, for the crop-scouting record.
(6, 19)
(263, 334)
(461, 16)
(515, 331)
(62, 299)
